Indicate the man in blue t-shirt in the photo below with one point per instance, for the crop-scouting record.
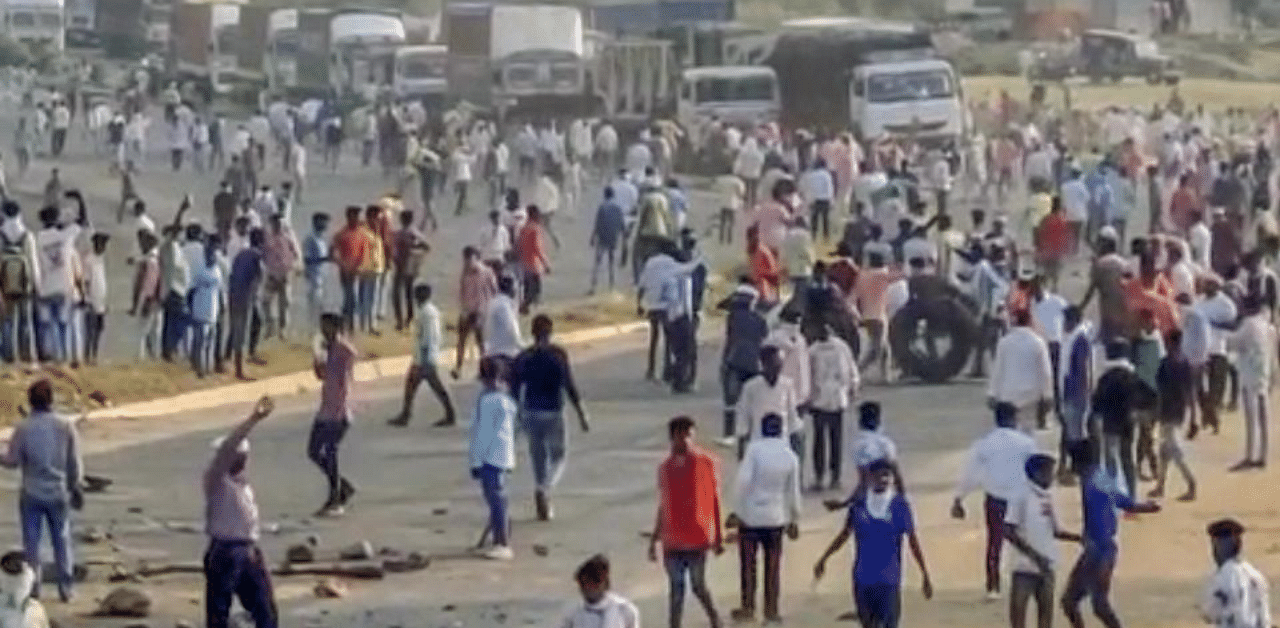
(1091, 576)
(878, 519)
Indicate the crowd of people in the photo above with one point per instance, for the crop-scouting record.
(1184, 329)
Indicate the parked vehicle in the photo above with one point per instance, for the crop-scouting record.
(37, 23)
(421, 73)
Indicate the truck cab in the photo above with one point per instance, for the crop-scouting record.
(421, 73)
(36, 22)
(921, 98)
(363, 45)
(738, 95)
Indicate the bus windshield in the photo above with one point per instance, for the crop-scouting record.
(906, 86)
(758, 88)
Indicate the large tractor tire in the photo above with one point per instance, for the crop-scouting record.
(923, 323)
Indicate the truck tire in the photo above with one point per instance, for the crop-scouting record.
(947, 318)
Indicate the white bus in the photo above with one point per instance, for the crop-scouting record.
(37, 23)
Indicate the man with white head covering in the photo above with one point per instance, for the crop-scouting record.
(233, 564)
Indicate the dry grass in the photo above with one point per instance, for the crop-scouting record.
(1214, 94)
(92, 387)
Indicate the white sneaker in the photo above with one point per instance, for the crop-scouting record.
(499, 552)
(728, 441)
(993, 596)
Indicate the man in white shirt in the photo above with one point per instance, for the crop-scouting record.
(1075, 201)
(460, 164)
(495, 242)
(767, 505)
(733, 194)
(1048, 317)
(1022, 373)
(818, 189)
(501, 323)
(770, 392)
(426, 356)
(1181, 273)
(600, 608)
(997, 465)
(95, 278)
(834, 383)
(1220, 311)
(60, 271)
(748, 165)
(1237, 595)
(1032, 530)
(1200, 239)
(1254, 344)
(639, 157)
(659, 271)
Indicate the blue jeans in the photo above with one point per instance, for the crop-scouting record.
(548, 445)
(17, 335)
(35, 513)
(203, 345)
(693, 565)
(55, 324)
(236, 569)
(493, 485)
(879, 605)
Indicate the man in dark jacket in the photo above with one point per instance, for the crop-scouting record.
(745, 331)
(1114, 398)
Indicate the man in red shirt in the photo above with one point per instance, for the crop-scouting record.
(1054, 242)
(350, 252)
(532, 257)
(688, 520)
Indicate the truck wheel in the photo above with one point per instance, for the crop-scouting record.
(932, 340)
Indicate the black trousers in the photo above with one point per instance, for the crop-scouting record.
(820, 211)
(95, 323)
(752, 541)
(657, 329)
(680, 344)
(828, 430)
(236, 569)
(402, 298)
(322, 449)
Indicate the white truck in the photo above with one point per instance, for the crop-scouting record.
(920, 98)
(421, 73)
(281, 63)
(738, 95)
(540, 56)
(363, 44)
(38, 23)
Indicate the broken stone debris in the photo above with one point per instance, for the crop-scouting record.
(125, 602)
(362, 550)
(300, 553)
(330, 588)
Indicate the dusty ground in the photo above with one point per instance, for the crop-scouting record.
(1210, 92)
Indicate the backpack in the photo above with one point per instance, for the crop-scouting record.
(15, 270)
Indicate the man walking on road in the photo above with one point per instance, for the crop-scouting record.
(335, 370)
(877, 521)
(1254, 345)
(45, 447)
(996, 464)
(834, 383)
(1175, 393)
(688, 521)
(606, 234)
(767, 506)
(1022, 373)
(1091, 575)
(541, 377)
(1032, 529)
(745, 331)
(426, 357)
(477, 286)
(233, 564)
(493, 451)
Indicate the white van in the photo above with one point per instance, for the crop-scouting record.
(421, 72)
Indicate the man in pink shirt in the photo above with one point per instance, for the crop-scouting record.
(475, 287)
(773, 216)
(280, 258)
(335, 368)
(871, 290)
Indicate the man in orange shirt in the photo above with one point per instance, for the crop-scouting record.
(350, 252)
(1185, 202)
(1054, 242)
(765, 273)
(532, 256)
(688, 520)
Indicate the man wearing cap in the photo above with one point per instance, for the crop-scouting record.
(233, 564)
(1237, 595)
